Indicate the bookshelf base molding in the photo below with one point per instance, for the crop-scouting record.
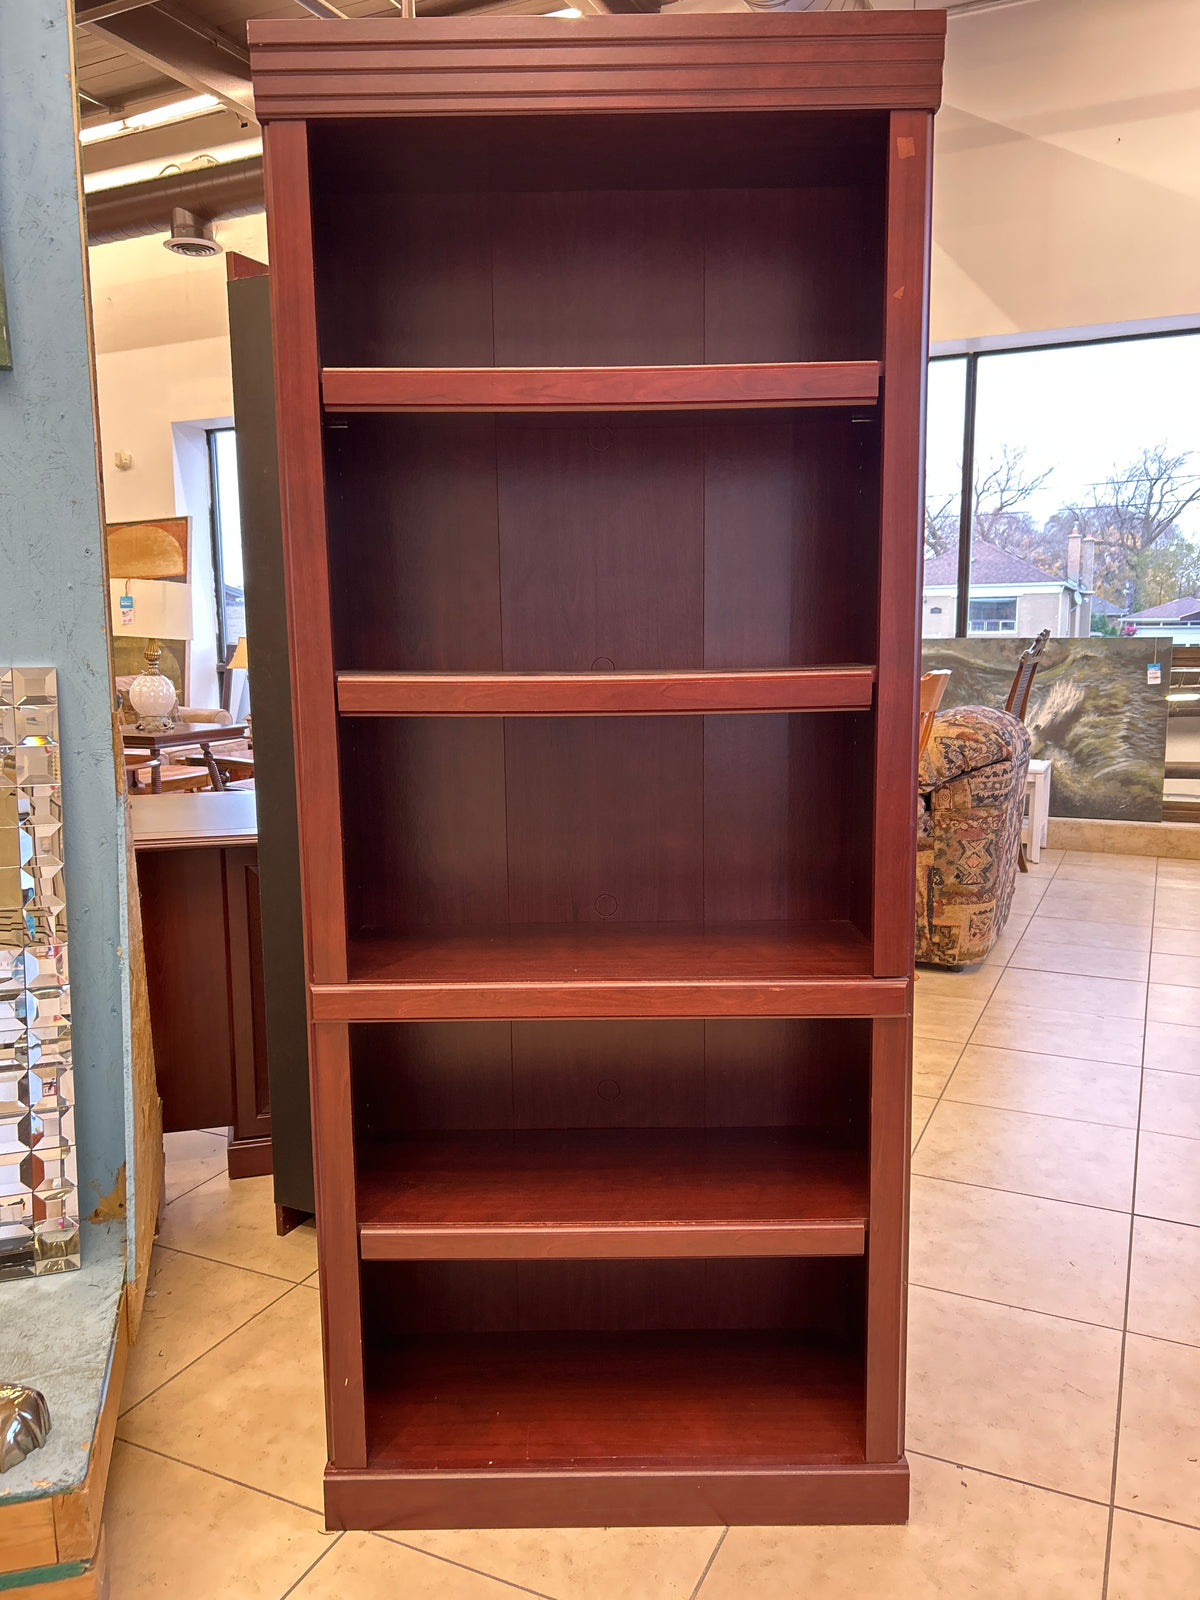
(381, 1500)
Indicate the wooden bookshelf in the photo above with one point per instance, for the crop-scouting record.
(600, 354)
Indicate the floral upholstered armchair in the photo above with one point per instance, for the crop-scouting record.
(971, 797)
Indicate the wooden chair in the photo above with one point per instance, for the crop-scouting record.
(933, 687)
(1018, 698)
(1031, 659)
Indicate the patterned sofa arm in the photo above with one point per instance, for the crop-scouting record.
(972, 796)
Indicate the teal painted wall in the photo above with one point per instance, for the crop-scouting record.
(52, 590)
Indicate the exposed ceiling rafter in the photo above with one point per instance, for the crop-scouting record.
(186, 49)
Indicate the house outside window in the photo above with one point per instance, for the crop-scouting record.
(993, 616)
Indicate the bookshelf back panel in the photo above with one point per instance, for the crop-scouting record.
(579, 543)
(414, 1077)
(470, 822)
(814, 1296)
(599, 241)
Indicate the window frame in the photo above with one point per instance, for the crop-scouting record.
(1015, 344)
(225, 645)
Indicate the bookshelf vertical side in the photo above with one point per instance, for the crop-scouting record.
(302, 504)
(906, 312)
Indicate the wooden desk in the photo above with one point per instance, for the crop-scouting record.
(197, 858)
(205, 734)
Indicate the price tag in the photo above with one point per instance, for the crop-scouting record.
(1154, 672)
(127, 611)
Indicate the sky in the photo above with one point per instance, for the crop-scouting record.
(1080, 410)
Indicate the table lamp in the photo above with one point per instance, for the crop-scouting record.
(240, 659)
(153, 610)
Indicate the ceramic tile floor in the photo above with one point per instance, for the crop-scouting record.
(1054, 1393)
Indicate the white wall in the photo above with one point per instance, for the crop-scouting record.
(1066, 178)
(162, 375)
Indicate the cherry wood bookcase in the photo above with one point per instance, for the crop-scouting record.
(600, 355)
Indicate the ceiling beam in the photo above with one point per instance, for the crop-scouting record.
(98, 10)
(321, 8)
(184, 48)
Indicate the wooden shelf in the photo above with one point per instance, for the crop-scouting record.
(542, 389)
(567, 694)
(663, 969)
(609, 1193)
(646, 1401)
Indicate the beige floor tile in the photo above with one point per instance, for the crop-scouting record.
(235, 1223)
(970, 1536)
(1180, 970)
(1176, 941)
(1006, 945)
(972, 983)
(1168, 1178)
(177, 1534)
(1100, 997)
(1128, 903)
(1016, 1392)
(936, 1017)
(933, 1062)
(1170, 1002)
(1185, 870)
(922, 1110)
(1172, 1048)
(1171, 1104)
(1049, 1157)
(1042, 1255)
(1164, 1281)
(366, 1566)
(1152, 1560)
(251, 1409)
(1177, 908)
(1061, 1033)
(191, 1304)
(581, 1563)
(1041, 950)
(1087, 931)
(1090, 864)
(192, 1159)
(1158, 1461)
(1053, 1086)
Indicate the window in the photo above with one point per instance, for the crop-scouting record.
(227, 540)
(1082, 486)
(993, 616)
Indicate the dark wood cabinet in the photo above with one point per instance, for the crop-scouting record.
(600, 355)
(198, 883)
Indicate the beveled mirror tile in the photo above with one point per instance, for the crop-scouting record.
(1168, 1178)
(1152, 1560)
(1171, 1104)
(1041, 1255)
(1158, 1461)
(1049, 1157)
(1164, 1280)
(970, 1535)
(1016, 1392)
(1054, 1086)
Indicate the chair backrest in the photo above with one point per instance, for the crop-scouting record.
(1031, 660)
(933, 687)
